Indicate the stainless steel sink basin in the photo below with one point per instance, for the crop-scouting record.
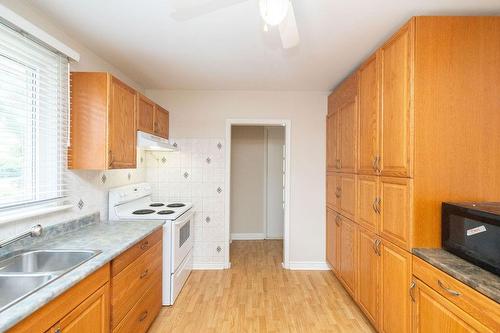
(42, 261)
(24, 272)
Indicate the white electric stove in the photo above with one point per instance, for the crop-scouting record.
(134, 202)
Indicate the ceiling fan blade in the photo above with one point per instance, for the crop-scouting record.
(188, 9)
(288, 30)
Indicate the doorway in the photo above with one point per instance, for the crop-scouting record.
(257, 179)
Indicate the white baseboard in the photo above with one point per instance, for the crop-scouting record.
(308, 266)
(208, 266)
(249, 236)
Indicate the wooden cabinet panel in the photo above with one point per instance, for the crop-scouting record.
(131, 283)
(348, 254)
(396, 210)
(332, 141)
(396, 58)
(367, 202)
(90, 316)
(161, 122)
(474, 303)
(332, 239)
(333, 191)
(395, 282)
(369, 274)
(145, 115)
(348, 195)
(348, 140)
(122, 126)
(368, 127)
(142, 314)
(433, 313)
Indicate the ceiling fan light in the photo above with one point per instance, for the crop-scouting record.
(273, 12)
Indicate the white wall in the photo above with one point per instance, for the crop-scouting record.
(87, 186)
(248, 159)
(202, 114)
(275, 214)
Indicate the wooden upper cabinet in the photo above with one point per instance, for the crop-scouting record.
(332, 141)
(395, 302)
(122, 126)
(161, 122)
(348, 127)
(369, 124)
(369, 274)
(332, 239)
(396, 66)
(103, 122)
(146, 115)
(348, 254)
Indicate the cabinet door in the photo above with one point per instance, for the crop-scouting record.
(368, 202)
(332, 239)
(369, 274)
(90, 316)
(396, 58)
(121, 126)
(348, 251)
(348, 128)
(434, 313)
(395, 302)
(348, 195)
(368, 144)
(145, 115)
(161, 122)
(333, 190)
(396, 210)
(332, 139)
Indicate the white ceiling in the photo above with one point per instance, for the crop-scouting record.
(227, 49)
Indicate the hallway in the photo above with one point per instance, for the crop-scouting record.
(257, 295)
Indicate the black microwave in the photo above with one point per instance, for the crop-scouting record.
(472, 232)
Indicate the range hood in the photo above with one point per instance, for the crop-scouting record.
(146, 141)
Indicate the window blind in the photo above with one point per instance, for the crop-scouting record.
(34, 99)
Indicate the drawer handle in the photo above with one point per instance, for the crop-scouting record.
(448, 290)
(143, 316)
(144, 274)
(145, 245)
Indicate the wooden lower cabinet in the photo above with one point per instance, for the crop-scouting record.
(83, 308)
(434, 313)
(332, 239)
(369, 274)
(348, 254)
(395, 280)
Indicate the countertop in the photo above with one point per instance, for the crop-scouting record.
(112, 238)
(475, 277)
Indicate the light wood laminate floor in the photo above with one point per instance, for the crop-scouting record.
(257, 295)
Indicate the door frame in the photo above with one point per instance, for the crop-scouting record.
(227, 209)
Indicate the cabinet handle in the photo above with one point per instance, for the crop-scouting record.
(374, 163)
(377, 165)
(338, 192)
(412, 291)
(337, 220)
(143, 315)
(448, 290)
(57, 330)
(110, 157)
(376, 246)
(144, 274)
(145, 245)
(378, 205)
(374, 205)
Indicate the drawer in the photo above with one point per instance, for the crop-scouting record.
(132, 282)
(474, 303)
(127, 257)
(143, 312)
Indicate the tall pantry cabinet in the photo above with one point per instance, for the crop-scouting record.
(415, 125)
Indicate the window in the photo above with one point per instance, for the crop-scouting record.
(33, 121)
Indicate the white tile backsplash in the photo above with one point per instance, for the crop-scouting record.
(187, 176)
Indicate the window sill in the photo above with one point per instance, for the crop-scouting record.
(23, 214)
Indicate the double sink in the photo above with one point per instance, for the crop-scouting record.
(24, 272)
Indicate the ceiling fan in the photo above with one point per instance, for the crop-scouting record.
(274, 13)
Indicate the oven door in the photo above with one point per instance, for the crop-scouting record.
(182, 238)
